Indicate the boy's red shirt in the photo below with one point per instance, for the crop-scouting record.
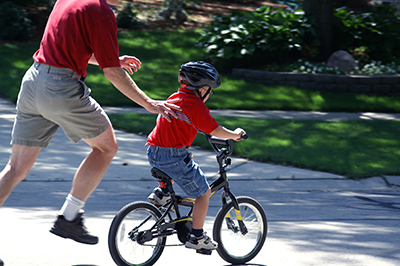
(77, 29)
(181, 132)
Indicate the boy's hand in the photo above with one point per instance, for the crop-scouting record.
(128, 62)
(239, 132)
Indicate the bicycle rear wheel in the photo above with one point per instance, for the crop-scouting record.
(125, 227)
(233, 246)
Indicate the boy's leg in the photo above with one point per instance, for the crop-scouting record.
(197, 238)
(21, 161)
(200, 209)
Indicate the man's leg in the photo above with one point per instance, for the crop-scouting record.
(92, 169)
(89, 174)
(21, 161)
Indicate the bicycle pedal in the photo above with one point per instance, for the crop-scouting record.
(204, 251)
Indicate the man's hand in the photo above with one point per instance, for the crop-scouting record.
(128, 62)
(165, 108)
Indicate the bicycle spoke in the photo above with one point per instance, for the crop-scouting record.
(123, 241)
(235, 246)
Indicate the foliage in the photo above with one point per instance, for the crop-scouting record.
(258, 37)
(267, 35)
(377, 30)
(372, 68)
(127, 18)
(14, 23)
(33, 2)
(360, 54)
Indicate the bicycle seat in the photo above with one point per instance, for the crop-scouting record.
(159, 174)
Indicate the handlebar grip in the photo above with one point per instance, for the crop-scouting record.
(244, 136)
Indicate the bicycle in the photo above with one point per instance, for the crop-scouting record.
(138, 232)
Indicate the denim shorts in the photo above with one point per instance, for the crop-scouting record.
(51, 97)
(180, 166)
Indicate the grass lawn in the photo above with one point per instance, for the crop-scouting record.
(162, 53)
(355, 149)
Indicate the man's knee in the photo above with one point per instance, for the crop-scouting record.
(113, 148)
(109, 149)
(13, 174)
(106, 143)
(20, 163)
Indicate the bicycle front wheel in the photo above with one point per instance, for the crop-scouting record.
(125, 228)
(234, 246)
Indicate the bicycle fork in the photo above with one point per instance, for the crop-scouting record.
(229, 222)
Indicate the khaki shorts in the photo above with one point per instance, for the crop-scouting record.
(51, 97)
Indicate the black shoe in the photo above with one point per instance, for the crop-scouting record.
(74, 230)
(1, 263)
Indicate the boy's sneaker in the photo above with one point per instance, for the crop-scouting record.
(201, 242)
(158, 197)
(75, 230)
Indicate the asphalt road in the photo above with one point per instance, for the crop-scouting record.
(314, 218)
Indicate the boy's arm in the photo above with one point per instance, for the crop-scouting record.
(224, 133)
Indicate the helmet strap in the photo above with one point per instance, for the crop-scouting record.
(205, 95)
(197, 90)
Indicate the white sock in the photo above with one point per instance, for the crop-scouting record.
(71, 207)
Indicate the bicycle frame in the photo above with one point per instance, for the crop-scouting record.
(223, 160)
(139, 231)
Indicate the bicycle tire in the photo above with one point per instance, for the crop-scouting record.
(124, 250)
(234, 247)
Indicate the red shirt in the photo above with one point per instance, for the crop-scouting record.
(75, 30)
(181, 132)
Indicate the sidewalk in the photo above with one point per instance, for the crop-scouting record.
(334, 117)
(315, 218)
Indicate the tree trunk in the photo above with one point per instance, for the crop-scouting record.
(323, 10)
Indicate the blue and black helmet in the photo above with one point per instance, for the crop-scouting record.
(197, 74)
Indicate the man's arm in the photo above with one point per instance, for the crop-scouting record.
(125, 84)
(127, 62)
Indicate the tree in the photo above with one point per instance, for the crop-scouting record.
(323, 11)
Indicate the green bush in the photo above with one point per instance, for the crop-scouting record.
(258, 37)
(33, 2)
(267, 35)
(127, 18)
(14, 23)
(377, 30)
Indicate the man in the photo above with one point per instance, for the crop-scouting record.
(53, 94)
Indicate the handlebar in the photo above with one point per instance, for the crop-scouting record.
(223, 142)
(214, 142)
(218, 141)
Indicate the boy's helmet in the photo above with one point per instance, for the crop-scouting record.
(197, 74)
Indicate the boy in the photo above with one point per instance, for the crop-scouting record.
(168, 144)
